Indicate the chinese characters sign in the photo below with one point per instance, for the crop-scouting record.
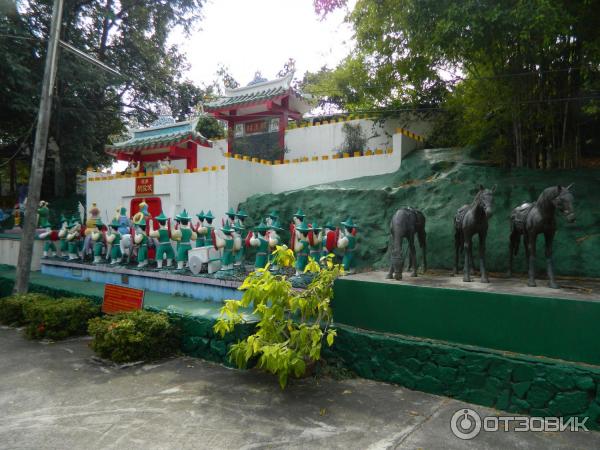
(259, 126)
(144, 185)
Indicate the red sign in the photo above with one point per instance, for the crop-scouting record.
(120, 299)
(259, 126)
(144, 186)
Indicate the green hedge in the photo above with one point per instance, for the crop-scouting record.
(11, 308)
(134, 336)
(58, 318)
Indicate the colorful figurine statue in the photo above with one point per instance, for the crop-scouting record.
(124, 223)
(49, 247)
(347, 242)
(17, 216)
(113, 240)
(330, 236)
(297, 220)
(210, 229)
(94, 216)
(183, 235)
(140, 239)
(225, 242)
(90, 227)
(301, 247)
(260, 241)
(201, 231)
(230, 217)
(241, 216)
(43, 214)
(97, 237)
(74, 239)
(238, 243)
(274, 241)
(62, 236)
(272, 217)
(315, 242)
(165, 249)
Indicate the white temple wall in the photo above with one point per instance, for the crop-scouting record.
(327, 139)
(234, 180)
(212, 156)
(193, 191)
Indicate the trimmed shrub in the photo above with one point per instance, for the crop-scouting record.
(58, 318)
(134, 336)
(11, 308)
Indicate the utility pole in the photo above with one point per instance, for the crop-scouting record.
(39, 154)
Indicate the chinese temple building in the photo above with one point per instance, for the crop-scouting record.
(165, 139)
(261, 107)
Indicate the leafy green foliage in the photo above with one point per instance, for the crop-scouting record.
(292, 325)
(354, 138)
(11, 307)
(134, 336)
(89, 104)
(58, 318)
(210, 128)
(518, 79)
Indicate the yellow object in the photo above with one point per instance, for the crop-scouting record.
(346, 155)
(379, 151)
(357, 154)
(315, 158)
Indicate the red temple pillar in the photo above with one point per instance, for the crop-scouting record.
(283, 120)
(282, 127)
(230, 131)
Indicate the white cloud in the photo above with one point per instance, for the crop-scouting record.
(247, 36)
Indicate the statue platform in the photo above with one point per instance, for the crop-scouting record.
(505, 315)
(162, 281)
(573, 289)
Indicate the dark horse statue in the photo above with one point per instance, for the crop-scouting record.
(405, 223)
(531, 219)
(471, 220)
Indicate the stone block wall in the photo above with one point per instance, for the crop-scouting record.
(508, 382)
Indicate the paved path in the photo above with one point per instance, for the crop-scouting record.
(54, 396)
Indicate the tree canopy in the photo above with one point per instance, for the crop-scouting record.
(90, 104)
(519, 79)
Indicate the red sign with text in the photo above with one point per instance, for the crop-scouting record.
(121, 299)
(144, 186)
(259, 126)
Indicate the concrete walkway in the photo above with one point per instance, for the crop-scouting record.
(54, 396)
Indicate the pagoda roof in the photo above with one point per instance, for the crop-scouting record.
(162, 134)
(259, 92)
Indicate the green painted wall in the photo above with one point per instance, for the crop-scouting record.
(507, 382)
(439, 181)
(552, 327)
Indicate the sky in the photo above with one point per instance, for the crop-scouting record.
(261, 35)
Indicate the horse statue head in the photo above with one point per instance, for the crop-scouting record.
(563, 201)
(485, 199)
